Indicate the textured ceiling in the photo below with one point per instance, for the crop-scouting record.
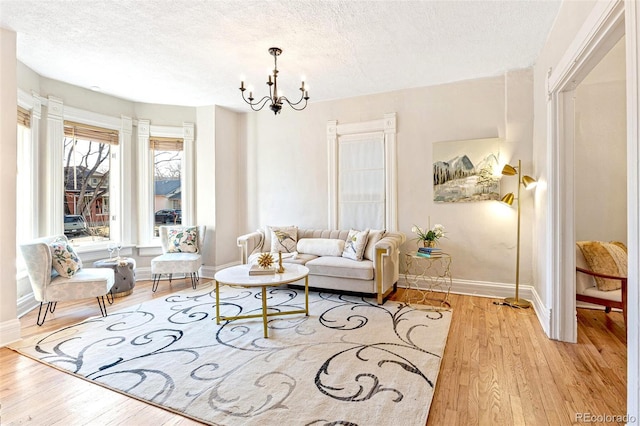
(195, 52)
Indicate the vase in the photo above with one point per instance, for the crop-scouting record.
(428, 243)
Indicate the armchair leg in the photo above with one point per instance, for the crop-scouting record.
(156, 281)
(102, 305)
(194, 280)
(110, 297)
(40, 321)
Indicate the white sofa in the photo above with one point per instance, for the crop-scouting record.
(376, 274)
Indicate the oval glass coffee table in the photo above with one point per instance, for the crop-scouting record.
(239, 276)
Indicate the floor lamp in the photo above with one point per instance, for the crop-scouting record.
(528, 182)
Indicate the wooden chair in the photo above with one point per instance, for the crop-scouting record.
(587, 290)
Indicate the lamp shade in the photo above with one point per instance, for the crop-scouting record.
(529, 182)
(509, 170)
(508, 198)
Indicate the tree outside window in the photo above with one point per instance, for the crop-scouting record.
(87, 164)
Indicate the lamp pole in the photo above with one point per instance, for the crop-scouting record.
(515, 301)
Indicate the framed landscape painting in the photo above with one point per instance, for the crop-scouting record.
(465, 171)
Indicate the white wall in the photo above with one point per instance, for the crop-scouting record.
(571, 17)
(286, 166)
(205, 179)
(225, 186)
(9, 325)
(601, 151)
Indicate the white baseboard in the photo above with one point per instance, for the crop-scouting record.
(26, 304)
(144, 273)
(9, 332)
(494, 290)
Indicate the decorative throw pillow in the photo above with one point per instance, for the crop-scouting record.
(605, 258)
(355, 244)
(283, 239)
(321, 246)
(375, 235)
(183, 240)
(64, 258)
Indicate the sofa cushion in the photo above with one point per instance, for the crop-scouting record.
(321, 246)
(299, 258)
(355, 244)
(283, 239)
(375, 235)
(341, 267)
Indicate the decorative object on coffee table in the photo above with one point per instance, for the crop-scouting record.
(265, 260)
(280, 267)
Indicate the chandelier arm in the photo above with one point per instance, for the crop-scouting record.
(253, 104)
(293, 106)
(264, 101)
(292, 103)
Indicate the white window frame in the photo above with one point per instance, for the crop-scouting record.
(31, 103)
(386, 125)
(146, 177)
(57, 113)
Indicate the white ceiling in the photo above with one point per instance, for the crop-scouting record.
(194, 52)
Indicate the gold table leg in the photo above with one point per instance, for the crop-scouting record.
(306, 295)
(264, 310)
(217, 302)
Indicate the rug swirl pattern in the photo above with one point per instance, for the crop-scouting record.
(350, 361)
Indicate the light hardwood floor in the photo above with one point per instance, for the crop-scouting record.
(499, 368)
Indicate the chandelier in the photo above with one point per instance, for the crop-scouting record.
(275, 101)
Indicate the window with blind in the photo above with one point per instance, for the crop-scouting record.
(87, 163)
(361, 182)
(167, 154)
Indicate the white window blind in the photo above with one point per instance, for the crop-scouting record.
(361, 181)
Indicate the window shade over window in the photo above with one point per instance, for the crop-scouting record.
(24, 117)
(165, 144)
(90, 133)
(361, 183)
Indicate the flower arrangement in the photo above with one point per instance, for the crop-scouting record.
(429, 236)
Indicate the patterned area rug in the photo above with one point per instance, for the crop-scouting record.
(350, 362)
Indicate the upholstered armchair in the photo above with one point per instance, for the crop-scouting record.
(601, 275)
(56, 275)
(181, 248)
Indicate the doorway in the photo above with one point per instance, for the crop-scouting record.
(600, 164)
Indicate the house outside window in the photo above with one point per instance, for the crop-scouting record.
(87, 163)
(167, 154)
